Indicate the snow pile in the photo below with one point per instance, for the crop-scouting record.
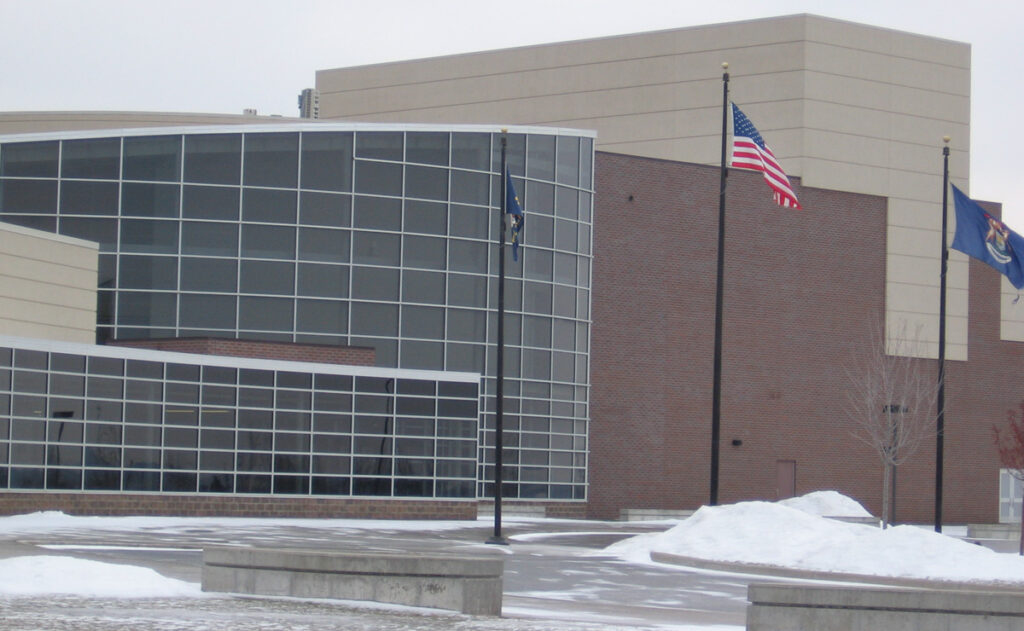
(777, 534)
(827, 504)
(36, 575)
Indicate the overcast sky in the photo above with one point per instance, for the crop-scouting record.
(227, 55)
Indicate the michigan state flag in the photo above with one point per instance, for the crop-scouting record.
(513, 208)
(987, 239)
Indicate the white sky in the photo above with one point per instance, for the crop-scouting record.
(227, 55)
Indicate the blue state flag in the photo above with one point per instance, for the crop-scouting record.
(986, 238)
(513, 208)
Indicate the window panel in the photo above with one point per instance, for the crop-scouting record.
(271, 160)
(28, 196)
(565, 268)
(267, 277)
(426, 183)
(464, 357)
(426, 217)
(268, 206)
(467, 256)
(322, 316)
(205, 274)
(377, 213)
(466, 325)
(374, 283)
(586, 163)
(567, 168)
(374, 248)
(89, 198)
(327, 161)
(421, 355)
(427, 252)
(382, 145)
(265, 314)
(427, 287)
(538, 265)
(91, 158)
(210, 202)
(29, 159)
(319, 244)
(374, 319)
(209, 238)
(152, 158)
(378, 178)
(424, 322)
(329, 281)
(325, 209)
(270, 242)
(471, 188)
(213, 158)
(540, 158)
(208, 311)
(471, 151)
(427, 147)
(148, 272)
(469, 221)
(149, 200)
(466, 290)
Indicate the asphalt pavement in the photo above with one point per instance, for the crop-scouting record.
(555, 578)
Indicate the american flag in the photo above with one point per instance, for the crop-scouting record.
(750, 152)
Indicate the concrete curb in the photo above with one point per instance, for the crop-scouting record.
(786, 572)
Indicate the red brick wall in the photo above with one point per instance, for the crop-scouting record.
(14, 503)
(318, 353)
(802, 289)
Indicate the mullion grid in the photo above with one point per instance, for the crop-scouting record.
(201, 410)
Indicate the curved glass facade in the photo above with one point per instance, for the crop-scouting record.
(363, 235)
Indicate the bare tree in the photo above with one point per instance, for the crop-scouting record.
(1010, 443)
(892, 402)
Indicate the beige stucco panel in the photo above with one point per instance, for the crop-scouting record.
(47, 285)
(700, 40)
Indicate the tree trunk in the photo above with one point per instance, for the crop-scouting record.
(886, 487)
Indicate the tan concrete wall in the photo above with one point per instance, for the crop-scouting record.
(38, 122)
(47, 285)
(844, 106)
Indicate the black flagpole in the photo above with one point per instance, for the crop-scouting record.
(499, 404)
(940, 399)
(716, 389)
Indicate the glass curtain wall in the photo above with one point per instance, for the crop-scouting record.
(367, 237)
(71, 421)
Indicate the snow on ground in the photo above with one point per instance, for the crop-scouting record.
(784, 535)
(53, 521)
(43, 575)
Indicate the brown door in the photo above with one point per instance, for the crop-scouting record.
(785, 478)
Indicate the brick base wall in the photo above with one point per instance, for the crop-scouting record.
(286, 351)
(123, 504)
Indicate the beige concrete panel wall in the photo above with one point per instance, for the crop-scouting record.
(700, 39)
(39, 122)
(883, 40)
(47, 285)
